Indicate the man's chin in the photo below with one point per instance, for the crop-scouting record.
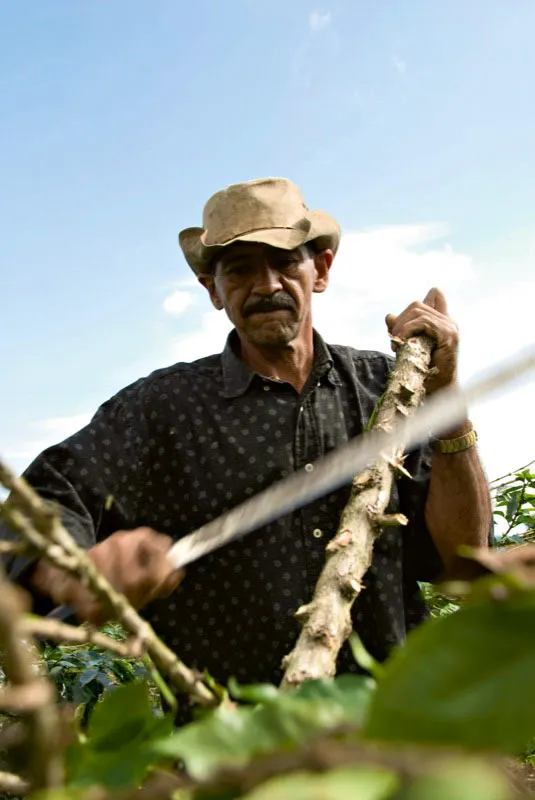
(273, 332)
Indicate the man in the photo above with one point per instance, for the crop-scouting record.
(177, 449)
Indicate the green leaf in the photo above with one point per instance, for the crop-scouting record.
(105, 681)
(350, 692)
(464, 679)
(81, 694)
(123, 669)
(364, 659)
(231, 737)
(117, 751)
(462, 781)
(253, 693)
(124, 713)
(512, 538)
(60, 794)
(87, 675)
(364, 783)
(512, 505)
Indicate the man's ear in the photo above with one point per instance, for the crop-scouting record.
(207, 279)
(322, 262)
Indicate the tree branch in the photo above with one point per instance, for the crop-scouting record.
(13, 784)
(29, 691)
(39, 524)
(326, 620)
(60, 632)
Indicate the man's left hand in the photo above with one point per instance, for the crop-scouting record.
(431, 317)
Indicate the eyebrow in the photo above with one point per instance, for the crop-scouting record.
(237, 258)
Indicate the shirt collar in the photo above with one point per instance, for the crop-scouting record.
(237, 376)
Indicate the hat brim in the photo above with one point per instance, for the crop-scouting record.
(323, 229)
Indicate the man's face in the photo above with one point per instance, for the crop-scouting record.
(267, 292)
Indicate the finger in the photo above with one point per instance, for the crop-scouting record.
(51, 581)
(442, 329)
(86, 606)
(93, 612)
(436, 300)
(150, 571)
(419, 327)
(390, 320)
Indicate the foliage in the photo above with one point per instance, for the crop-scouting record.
(366, 783)
(465, 679)
(514, 524)
(84, 674)
(430, 724)
(230, 737)
(514, 505)
(115, 752)
(462, 681)
(438, 602)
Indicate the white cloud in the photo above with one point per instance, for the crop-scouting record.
(61, 426)
(207, 339)
(381, 271)
(399, 65)
(493, 326)
(376, 272)
(496, 323)
(318, 20)
(177, 302)
(43, 433)
(506, 439)
(37, 435)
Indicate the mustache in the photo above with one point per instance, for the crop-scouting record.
(274, 303)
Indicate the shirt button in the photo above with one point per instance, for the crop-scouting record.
(317, 533)
(309, 467)
(266, 387)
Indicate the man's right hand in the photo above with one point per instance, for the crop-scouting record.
(134, 562)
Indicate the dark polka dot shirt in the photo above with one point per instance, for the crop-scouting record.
(178, 448)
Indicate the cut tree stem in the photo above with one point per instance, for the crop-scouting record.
(326, 620)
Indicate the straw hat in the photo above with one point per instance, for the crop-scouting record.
(269, 211)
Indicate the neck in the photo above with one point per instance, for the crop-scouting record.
(291, 363)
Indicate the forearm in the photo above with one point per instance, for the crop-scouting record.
(458, 508)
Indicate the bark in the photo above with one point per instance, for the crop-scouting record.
(326, 620)
(29, 692)
(13, 784)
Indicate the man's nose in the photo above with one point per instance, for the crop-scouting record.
(267, 280)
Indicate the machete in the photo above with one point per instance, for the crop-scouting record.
(440, 412)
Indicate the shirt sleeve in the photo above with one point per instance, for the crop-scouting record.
(93, 477)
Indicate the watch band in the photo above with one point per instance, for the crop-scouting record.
(456, 445)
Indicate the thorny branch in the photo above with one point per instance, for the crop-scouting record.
(56, 631)
(29, 691)
(13, 784)
(510, 477)
(39, 524)
(326, 620)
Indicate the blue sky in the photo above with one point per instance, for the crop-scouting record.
(413, 123)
